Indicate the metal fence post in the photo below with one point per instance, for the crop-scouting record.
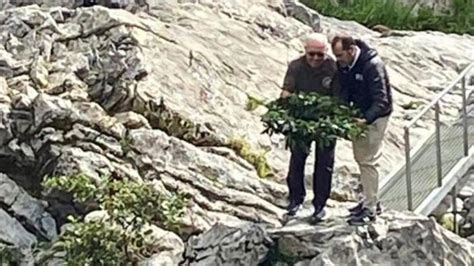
(408, 168)
(439, 165)
(464, 116)
(455, 209)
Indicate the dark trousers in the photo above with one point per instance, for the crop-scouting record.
(322, 175)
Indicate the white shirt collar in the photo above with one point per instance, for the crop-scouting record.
(356, 57)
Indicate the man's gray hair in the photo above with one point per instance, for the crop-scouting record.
(317, 37)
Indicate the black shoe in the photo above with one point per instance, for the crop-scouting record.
(378, 208)
(355, 210)
(358, 208)
(364, 217)
(293, 208)
(317, 216)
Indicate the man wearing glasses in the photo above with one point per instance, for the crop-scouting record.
(313, 72)
(365, 84)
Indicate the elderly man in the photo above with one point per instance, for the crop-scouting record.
(365, 84)
(312, 72)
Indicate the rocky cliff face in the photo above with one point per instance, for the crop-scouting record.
(158, 95)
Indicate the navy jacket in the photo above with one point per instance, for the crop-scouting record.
(366, 85)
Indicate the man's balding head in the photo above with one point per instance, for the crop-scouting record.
(316, 40)
(316, 46)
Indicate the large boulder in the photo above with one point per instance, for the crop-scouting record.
(394, 239)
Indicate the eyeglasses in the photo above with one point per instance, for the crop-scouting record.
(319, 54)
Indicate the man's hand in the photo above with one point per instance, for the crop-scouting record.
(360, 121)
(285, 94)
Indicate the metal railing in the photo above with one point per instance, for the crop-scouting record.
(435, 103)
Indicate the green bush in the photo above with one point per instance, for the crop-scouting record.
(9, 255)
(120, 237)
(99, 243)
(395, 15)
(308, 117)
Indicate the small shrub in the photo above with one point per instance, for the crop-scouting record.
(120, 237)
(126, 144)
(97, 243)
(447, 222)
(253, 103)
(80, 186)
(257, 158)
(9, 255)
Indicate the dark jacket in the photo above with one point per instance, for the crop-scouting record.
(366, 85)
(301, 77)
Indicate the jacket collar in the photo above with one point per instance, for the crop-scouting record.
(356, 57)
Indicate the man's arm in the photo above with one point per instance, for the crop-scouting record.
(337, 90)
(376, 78)
(289, 82)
